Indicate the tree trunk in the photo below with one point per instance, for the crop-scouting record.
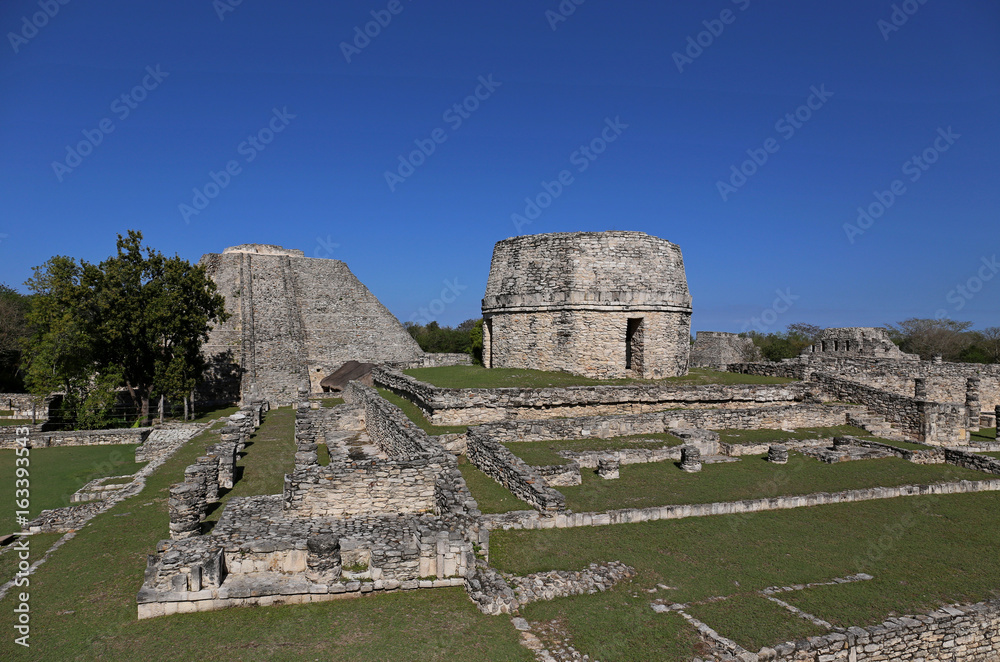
(160, 408)
(185, 408)
(144, 411)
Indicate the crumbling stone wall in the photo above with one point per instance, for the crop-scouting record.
(716, 348)
(369, 488)
(390, 429)
(601, 304)
(945, 382)
(605, 427)
(24, 405)
(857, 341)
(958, 633)
(39, 439)
(476, 405)
(524, 481)
(930, 422)
(296, 320)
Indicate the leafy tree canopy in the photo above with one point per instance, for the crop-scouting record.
(136, 321)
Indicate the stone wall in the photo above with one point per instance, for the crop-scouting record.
(51, 439)
(472, 406)
(605, 427)
(295, 320)
(945, 382)
(434, 360)
(602, 304)
(533, 519)
(957, 633)
(591, 343)
(715, 349)
(390, 429)
(972, 461)
(362, 489)
(930, 422)
(857, 341)
(497, 462)
(24, 405)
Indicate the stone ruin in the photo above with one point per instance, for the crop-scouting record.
(600, 304)
(717, 349)
(296, 319)
(389, 511)
(857, 341)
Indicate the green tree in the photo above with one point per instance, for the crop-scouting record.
(476, 341)
(13, 331)
(137, 319)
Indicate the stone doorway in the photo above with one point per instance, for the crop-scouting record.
(634, 346)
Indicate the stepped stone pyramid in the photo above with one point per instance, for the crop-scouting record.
(295, 320)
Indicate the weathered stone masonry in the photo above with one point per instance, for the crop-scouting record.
(601, 304)
(392, 515)
(471, 406)
(295, 320)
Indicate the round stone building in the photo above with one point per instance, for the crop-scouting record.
(600, 304)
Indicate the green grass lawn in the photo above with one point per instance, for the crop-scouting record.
(414, 413)
(83, 605)
(541, 453)
(21, 422)
(269, 455)
(471, 376)
(663, 483)
(331, 402)
(38, 544)
(922, 551)
(996, 455)
(767, 436)
(753, 621)
(55, 473)
(986, 434)
(491, 496)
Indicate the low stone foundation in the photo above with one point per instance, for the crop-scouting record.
(957, 633)
(530, 519)
(474, 406)
(52, 439)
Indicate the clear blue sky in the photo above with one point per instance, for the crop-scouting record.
(320, 185)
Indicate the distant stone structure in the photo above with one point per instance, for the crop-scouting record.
(857, 341)
(295, 320)
(716, 348)
(600, 304)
